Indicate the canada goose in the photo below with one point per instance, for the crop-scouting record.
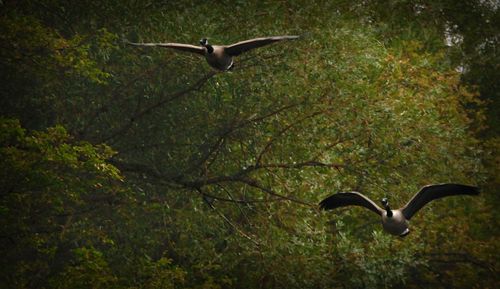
(395, 222)
(220, 56)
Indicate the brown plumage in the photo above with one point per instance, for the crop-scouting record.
(396, 221)
(220, 56)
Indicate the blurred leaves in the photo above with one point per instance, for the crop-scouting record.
(127, 167)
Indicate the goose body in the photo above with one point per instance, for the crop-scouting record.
(219, 59)
(396, 222)
(220, 56)
(395, 225)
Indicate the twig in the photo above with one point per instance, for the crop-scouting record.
(238, 201)
(139, 114)
(285, 129)
(459, 258)
(226, 132)
(227, 220)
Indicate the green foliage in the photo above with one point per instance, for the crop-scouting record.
(224, 170)
(89, 271)
(379, 264)
(49, 183)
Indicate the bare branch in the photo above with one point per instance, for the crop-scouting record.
(301, 165)
(256, 184)
(113, 95)
(280, 133)
(240, 205)
(228, 221)
(239, 177)
(238, 201)
(451, 257)
(140, 113)
(228, 131)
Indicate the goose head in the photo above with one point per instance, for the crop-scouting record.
(385, 204)
(204, 43)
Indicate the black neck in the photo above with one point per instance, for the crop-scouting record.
(210, 49)
(389, 212)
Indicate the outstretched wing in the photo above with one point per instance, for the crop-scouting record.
(432, 192)
(242, 46)
(177, 46)
(349, 199)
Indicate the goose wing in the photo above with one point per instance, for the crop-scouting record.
(432, 192)
(177, 46)
(349, 199)
(242, 46)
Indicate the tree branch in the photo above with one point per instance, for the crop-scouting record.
(248, 181)
(281, 132)
(140, 113)
(238, 201)
(228, 221)
(228, 131)
(451, 257)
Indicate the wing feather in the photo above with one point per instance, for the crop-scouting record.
(432, 192)
(349, 199)
(243, 46)
(177, 46)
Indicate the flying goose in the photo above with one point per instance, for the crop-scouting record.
(220, 56)
(395, 222)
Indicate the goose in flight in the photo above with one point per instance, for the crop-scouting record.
(220, 56)
(395, 222)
